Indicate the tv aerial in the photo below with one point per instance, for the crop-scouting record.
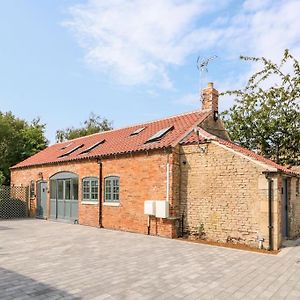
(202, 66)
(203, 63)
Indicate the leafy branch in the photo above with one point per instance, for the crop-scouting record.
(266, 114)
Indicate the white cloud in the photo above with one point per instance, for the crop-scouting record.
(136, 41)
(253, 5)
(269, 30)
(260, 28)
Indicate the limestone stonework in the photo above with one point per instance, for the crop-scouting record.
(226, 196)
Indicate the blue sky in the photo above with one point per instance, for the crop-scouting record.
(131, 61)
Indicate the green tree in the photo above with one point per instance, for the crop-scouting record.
(92, 125)
(266, 114)
(2, 178)
(18, 140)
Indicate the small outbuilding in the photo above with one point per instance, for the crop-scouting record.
(171, 177)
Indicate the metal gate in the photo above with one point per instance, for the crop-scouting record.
(14, 202)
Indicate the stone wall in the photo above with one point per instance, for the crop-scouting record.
(294, 209)
(226, 193)
(215, 127)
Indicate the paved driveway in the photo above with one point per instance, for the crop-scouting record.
(49, 260)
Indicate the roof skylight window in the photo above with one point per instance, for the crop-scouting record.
(160, 134)
(66, 146)
(89, 149)
(72, 150)
(137, 131)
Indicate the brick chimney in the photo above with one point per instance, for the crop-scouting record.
(210, 98)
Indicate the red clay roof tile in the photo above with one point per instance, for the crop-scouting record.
(204, 135)
(118, 141)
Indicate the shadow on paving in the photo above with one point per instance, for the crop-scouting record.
(4, 228)
(17, 286)
(291, 243)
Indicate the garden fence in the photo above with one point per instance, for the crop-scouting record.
(14, 202)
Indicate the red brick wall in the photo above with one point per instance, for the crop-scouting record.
(142, 177)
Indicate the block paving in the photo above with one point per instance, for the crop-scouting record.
(51, 260)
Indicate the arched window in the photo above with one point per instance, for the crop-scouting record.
(112, 189)
(90, 189)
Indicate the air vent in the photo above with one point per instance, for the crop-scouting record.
(160, 134)
(89, 149)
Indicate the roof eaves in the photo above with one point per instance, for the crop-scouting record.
(54, 162)
(287, 172)
(92, 157)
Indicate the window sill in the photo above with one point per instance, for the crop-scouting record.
(90, 202)
(111, 203)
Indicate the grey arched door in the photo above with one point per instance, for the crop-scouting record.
(64, 196)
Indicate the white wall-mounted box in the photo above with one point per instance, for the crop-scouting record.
(162, 209)
(149, 207)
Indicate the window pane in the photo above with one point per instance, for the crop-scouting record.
(86, 190)
(60, 189)
(94, 196)
(52, 189)
(86, 186)
(75, 188)
(116, 189)
(67, 189)
(107, 190)
(94, 189)
(94, 186)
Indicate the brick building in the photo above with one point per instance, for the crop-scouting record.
(193, 178)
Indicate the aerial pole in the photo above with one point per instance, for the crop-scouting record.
(202, 66)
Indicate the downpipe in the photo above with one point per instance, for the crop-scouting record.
(168, 182)
(100, 193)
(270, 210)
